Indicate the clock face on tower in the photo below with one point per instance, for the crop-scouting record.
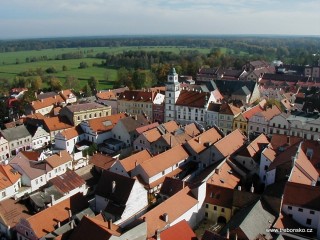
(170, 78)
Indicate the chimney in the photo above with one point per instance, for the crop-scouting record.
(113, 186)
(60, 154)
(252, 188)
(199, 139)
(239, 188)
(59, 224)
(136, 117)
(158, 234)
(217, 170)
(236, 237)
(136, 163)
(170, 141)
(70, 214)
(165, 217)
(110, 224)
(52, 199)
(288, 140)
(228, 234)
(71, 224)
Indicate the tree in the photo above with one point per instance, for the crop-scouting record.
(93, 84)
(51, 70)
(64, 68)
(71, 82)
(55, 84)
(87, 91)
(83, 65)
(36, 83)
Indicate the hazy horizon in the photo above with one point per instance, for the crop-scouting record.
(80, 18)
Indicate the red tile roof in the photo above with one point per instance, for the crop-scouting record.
(104, 162)
(301, 195)
(229, 109)
(71, 132)
(66, 94)
(181, 231)
(147, 127)
(174, 207)
(39, 104)
(134, 160)
(106, 95)
(137, 96)
(219, 196)
(192, 130)
(56, 123)
(170, 126)
(59, 159)
(165, 160)
(8, 176)
(193, 99)
(254, 149)
(231, 143)
(105, 124)
(46, 221)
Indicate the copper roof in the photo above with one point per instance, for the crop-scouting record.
(67, 182)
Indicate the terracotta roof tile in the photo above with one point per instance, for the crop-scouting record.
(231, 143)
(181, 231)
(83, 107)
(224, 176)
(8, 176)
(219, 196)
(279, 140)
(174, 207)
(164, 160)
(46, 221)
(171, 186)
(131, 162)
(254, 148)
(269, 153)
(105, 124)
(193, 99)
(39, 104)
(269, 113)
(229, 109)
(152, 135)
(192, 130)
(252, 111)
(198, 144)
(106, 95)
(170, 126)
(56, 123)
(57, 160)
(104, 162)
(71, 132)
(147, 127)
(301, 195)
(66, 94)
(137, 96)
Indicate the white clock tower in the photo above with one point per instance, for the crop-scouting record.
(172, 94)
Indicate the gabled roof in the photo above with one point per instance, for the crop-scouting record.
(167, 159)
(152, 135)
(46, 102)
(67, 182)
(132, 123)
(115, 187)
(193, 99)
(181, 231)
(147, 127)
(66, 94)
(198, 144)
(57, 160)
(171, 186)
(12, 211)
(15, 133)
(254, 148)
(231, 143)
(227, 88)
(243, 91)
(269, 113)
(134, 160)
(137, 96)
(71, 132)
(106, 95)
(102, 161)
(229, 109)
(269, 153)
(170, 126)
(8, 176)
(95, 228)
(56, 123)
(46, 221)
(252, 111)
(174, 207)
(219, 196)
(302, 195)
(105, 124)
(192, 130)
(252, 221)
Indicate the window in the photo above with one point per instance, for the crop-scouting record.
(206, 214)
(300, 210)
(207, 205)
(311, 212)
(289, 207)
(3, 194)
(266, 167)
(215, 208)
(222, 209)
(309, 221)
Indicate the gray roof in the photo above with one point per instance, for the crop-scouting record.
(243, 91)
(41, 199)
(252, 220)
(15, 133)
(84, 107)
(132, 123)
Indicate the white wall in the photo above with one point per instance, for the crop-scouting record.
(271, 177)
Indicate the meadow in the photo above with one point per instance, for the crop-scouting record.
(13, 63)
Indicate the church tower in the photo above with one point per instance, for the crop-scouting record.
(172, 94)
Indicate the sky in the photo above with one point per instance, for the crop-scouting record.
(58, 18)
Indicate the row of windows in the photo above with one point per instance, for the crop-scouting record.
(215, 208)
